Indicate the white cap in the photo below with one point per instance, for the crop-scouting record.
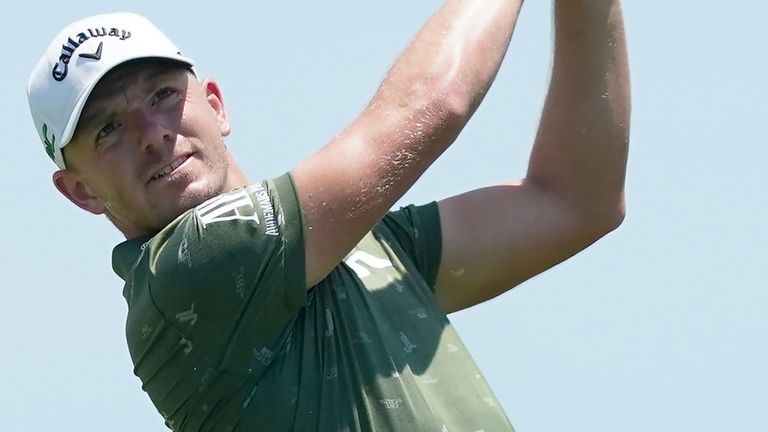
(79, 56)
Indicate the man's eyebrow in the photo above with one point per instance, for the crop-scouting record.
(88, 117)
(95, 110)
(163, 71)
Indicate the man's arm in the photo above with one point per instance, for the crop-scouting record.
(497, 237)
(421, 106)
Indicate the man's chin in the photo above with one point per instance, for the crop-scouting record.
(194, 195)
(172, 205)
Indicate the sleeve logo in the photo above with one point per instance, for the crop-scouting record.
(232, 206)
(240, 205)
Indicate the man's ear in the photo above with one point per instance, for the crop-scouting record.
(76, 190)
(213, 94)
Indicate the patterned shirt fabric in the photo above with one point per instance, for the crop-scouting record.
(225, 336)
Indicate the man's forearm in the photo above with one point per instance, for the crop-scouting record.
(581, 148)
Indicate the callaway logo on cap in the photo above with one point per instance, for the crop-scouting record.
(79, 56)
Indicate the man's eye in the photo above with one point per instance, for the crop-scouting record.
(163, 93)
(105, 131)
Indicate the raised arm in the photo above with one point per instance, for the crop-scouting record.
(580, 152)
(573, 192)
(421, 106)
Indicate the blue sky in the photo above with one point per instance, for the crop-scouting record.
(659, 327)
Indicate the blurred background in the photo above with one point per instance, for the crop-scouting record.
(658, 327)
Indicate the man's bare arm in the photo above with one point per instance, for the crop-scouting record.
(573, 192)
(580, 152)
(422, 104)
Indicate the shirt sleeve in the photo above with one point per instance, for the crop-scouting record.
(230, 274)
(417, 230)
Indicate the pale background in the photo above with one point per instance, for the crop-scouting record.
(659, 327)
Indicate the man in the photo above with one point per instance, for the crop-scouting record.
(302, 302)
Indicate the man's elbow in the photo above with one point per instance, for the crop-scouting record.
(442, 114)
(607, 219)
(459, 102)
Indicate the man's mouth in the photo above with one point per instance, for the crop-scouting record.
(164, 171)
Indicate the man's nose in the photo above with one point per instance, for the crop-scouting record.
(152, 129)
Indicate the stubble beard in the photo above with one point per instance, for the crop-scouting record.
(155, 219)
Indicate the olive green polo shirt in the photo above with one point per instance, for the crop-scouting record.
(225, 336)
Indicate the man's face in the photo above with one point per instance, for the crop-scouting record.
(148, 146)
